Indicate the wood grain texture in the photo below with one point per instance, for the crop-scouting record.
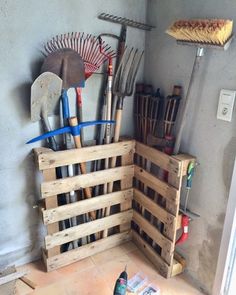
(155, 235)
(74, 183)
(51, 202)
(151, 206)
(86, 229)
(158, 158)
(162, 267)
(87, 250)
(52, 159)
(164, 189)
(85, 206)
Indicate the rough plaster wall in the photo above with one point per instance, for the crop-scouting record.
(212, 141)
(24, 26)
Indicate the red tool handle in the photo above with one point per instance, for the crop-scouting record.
(184, 223)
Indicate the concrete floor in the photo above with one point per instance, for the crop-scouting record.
(97, 275)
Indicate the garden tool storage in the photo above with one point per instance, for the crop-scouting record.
(123, 222)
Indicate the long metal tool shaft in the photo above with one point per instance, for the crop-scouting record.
(199, 54)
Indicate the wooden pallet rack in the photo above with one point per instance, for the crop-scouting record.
(150, 224)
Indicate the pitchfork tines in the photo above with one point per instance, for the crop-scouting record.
(126, 73)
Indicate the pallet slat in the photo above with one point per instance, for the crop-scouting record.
(84, 206)
(156, 210)
(161, 187)
(74, 183)
(176, 166)
(87, 250)
(155, 235)
(158, 158)
(86, 229)
(50, 159)
(160, 264)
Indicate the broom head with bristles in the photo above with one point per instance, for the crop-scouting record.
(206, 31)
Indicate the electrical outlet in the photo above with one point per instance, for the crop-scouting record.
(226, 105)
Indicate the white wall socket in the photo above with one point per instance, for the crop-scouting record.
(226, 105)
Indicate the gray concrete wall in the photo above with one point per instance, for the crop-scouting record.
(24, 27)
(212, 141)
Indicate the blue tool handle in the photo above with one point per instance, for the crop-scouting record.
(74, 130)
(190, 173)
(65, 104)
(50, 134)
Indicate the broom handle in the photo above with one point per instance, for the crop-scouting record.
(199, 54)
(74, 122)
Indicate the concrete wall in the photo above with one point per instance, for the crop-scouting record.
(24, 27)
(212, 141)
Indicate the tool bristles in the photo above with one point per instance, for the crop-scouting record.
(86, 45)
(206, 31)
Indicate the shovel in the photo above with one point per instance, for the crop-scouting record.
(69, 66)
(45, 95)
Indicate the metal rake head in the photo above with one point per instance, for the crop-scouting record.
(126, 73)
(86, 45)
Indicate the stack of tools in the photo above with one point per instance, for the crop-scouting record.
(148, 110)
(123, 86)
(71, 59)
(165, 140)
(65, 68)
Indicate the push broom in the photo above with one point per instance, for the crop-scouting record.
(201, 33)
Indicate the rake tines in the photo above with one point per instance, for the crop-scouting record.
(86, 45)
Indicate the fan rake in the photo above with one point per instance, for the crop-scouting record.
(88, 47)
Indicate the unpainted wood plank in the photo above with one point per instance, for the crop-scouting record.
(127, 159)
(87, 250)
(13, 276)
(74, 183)
(179, 220)
(174, 209)
(51, 202)
(185, 160)
(163, 188)
(63, 158)
(177, 268)
(179, 264)
(81, 207)
(86, 229)
(156, 210)
(156, 236)
(162, 267)
(158, 158)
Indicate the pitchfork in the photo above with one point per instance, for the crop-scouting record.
(123, 86)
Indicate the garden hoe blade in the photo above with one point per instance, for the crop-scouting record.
(45, 95)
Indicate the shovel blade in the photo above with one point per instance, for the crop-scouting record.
(45, 95)
(68, 65)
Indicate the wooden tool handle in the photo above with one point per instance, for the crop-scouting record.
(118, 125)
(74, 122)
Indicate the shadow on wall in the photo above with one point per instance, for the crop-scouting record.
(208, 254)
(198, 87)
(228, 164)
(22, 92)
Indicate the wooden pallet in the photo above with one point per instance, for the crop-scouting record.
(118, 223)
